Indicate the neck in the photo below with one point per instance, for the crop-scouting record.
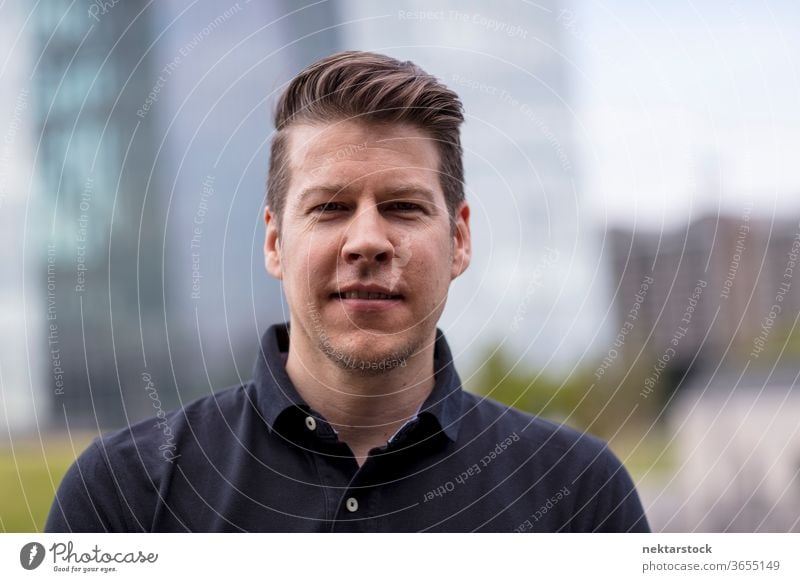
(366, 410)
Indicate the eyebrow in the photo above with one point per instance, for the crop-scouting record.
(403, 189)
(331, 190)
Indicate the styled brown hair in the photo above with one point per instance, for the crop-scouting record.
(374, 88)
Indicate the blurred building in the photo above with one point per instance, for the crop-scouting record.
(535, 285)
(223, 67)
(705, 294)
(738, 448)
(153, 123)
(93, 159)
(23, 397)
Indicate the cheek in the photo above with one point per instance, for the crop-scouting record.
(431, 274)
(311, 264)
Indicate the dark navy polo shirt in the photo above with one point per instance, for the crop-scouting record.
(258, 458)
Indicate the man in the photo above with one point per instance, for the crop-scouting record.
(355, 419)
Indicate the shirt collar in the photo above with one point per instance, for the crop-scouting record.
(275, 393)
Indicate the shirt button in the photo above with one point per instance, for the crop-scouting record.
(352, 505)
(311, 424)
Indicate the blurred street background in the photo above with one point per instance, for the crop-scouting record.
(632, 170)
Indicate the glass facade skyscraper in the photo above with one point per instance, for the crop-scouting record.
(92, 162)
(152, 125)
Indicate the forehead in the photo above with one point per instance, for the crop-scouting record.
(360, 152)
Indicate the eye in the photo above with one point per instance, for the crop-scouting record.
(328, 207)
(404, 206)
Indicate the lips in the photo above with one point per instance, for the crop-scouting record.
(367, 299)
(366, 293)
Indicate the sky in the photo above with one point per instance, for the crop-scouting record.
(685, 108)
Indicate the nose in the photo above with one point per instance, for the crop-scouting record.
(366, 239)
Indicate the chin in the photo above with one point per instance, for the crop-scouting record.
(366, 350)
(371, 344)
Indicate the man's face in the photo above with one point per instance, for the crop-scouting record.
(365, 250)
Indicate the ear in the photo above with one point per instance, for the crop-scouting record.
(272, 245)
(462, 242)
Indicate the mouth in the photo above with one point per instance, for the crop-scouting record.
(366, 299)
(366, 295)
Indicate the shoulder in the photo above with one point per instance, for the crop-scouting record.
(548, 437)
(159, 437)
(558, 456)
(115, 484)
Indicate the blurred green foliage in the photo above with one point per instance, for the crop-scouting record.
(30, 472)
(604, 404)
(610, 405)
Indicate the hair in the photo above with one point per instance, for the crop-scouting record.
(377, 89)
